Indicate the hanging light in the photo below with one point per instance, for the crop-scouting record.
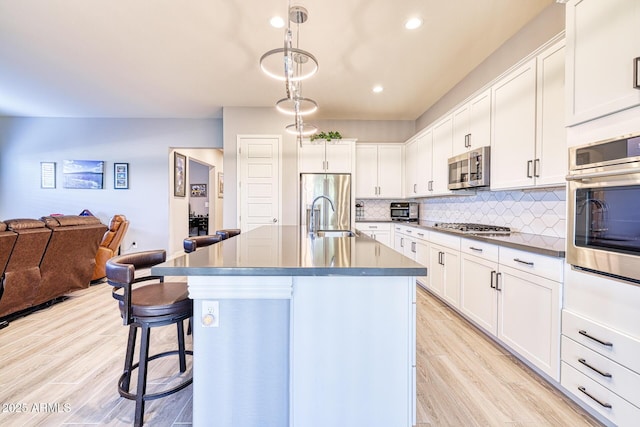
(292, 65)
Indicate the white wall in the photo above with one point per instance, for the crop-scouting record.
(146, 144)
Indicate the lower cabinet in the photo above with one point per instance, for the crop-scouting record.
(518, 306)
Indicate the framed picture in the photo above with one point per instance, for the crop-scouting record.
(83, 174)
(220, 185)
(198, 190)
(47, 175)
(121, 176)
(179, 174)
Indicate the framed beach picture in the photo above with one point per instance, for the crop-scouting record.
(83, 174)
(179, 174)
(121, 176)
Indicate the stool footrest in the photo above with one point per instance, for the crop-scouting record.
(152, 396)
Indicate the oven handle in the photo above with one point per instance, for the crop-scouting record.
(602, 174)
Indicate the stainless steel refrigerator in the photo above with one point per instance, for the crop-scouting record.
(337, 188)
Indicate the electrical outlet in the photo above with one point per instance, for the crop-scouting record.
(210, 314)
(134, 245)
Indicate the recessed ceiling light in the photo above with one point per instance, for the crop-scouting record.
(413, 23)
(377, 89)
(277, 22)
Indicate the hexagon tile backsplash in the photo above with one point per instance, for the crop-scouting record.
(540, 211)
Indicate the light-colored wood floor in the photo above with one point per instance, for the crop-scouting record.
(60, 366)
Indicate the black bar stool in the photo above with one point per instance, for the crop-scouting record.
(228, 232)
(151, 305)
(190, 244)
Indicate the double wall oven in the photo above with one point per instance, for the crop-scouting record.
(604, 207)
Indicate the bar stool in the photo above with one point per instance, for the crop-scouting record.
(228, 232)
(151, 305)
(190, 244)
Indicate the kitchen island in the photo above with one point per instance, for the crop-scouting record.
(292, 329)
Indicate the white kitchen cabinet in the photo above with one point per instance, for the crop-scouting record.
(444, 267)
(413, 242)
(528, 146)
(321, 156)
(379, 171)
(529, 317)
(601, 343)
(380, 231)
(472, 124)
(441, 152)
(418, 155)
(513, 133)
(478, 274)
(603, 38)
(550, 162)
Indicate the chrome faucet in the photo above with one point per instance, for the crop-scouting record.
(312, 214)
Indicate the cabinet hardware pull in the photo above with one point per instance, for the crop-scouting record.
(421, 234)
(529, 163)
(402, 242)
(498, 276)
(523, 262)
(466, 140)
(493, 276)
(599, 402)
(593, 368)
(413, 247)
(475, 249)
(430, 186)
(414, 188)
(441, 258)
(373, 226)
(605, 343)
(536, 168)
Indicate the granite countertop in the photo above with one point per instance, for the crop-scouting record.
(291, 251)
(543, 245)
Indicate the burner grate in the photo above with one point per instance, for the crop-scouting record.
(471, 228)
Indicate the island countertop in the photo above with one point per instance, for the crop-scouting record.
(291, 251)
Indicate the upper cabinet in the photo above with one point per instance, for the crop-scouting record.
(528, 137)
(472, 124)
(419, 165)
(379, 171)
(335, 156)
(603, 38)
(441, 151)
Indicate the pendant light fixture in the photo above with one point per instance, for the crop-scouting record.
(292, 65)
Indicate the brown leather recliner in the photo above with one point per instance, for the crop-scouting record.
(22, 277)
(7, 240)
(110, 244)
(70, 257)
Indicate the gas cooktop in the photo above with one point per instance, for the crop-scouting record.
(470, 228)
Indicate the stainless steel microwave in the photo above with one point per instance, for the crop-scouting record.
(470, 169)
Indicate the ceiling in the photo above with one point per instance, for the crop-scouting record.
(188, 59)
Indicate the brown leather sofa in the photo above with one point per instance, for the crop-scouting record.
(7, 240)
(109, 245)
(50, 257)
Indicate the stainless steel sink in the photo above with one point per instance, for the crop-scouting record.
(335, 233)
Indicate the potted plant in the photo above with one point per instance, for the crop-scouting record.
(326, 135)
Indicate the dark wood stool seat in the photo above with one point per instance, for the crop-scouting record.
(152, 304)
(190, 244)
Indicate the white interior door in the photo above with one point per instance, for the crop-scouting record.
(259, 186)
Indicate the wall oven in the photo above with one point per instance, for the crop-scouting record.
(604, 207)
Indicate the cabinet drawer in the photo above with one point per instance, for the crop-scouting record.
(622, 381)
(480, 249)
(620, 412)
(608, 342)
(447, 240)
(421, 234)
(373, 226)
(540, 265)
